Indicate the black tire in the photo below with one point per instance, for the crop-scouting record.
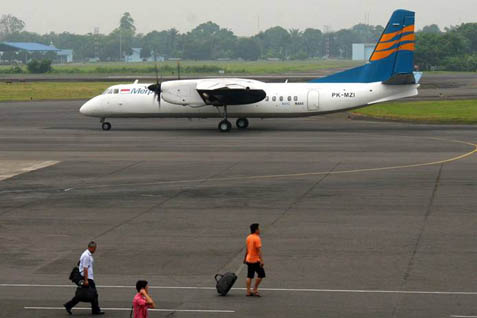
(225, 126)
(106, 126)
(242, 123)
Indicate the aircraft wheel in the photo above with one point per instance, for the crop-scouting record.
(225, 126)
(106, 126)
(242, 123)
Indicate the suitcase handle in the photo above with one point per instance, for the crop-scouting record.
(218, 275)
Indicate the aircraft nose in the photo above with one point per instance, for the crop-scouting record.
(88, 108)
(85, 108)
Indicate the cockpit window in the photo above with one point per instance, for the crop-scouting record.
(107, 91)
(116, 91)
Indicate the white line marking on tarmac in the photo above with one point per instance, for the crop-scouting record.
(128, 309)
(459, 316)
(11, 168)
(306, 290)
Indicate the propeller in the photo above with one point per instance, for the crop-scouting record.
(156, 88)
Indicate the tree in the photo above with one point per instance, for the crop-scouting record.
(342, 43)
(247, 49)
(433, 28)
(469, 31)
(296, 47)
(274, 42)
(127, 23)
(10, 25)
(125, 35)
(432, 49)
(208, 41)
(313, 42)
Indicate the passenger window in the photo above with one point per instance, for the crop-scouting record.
(274, 98)
(116, 91)
(295, 98)
(289, 98)
(281, 98)
(266, 99)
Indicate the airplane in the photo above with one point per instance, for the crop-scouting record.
(389, 75)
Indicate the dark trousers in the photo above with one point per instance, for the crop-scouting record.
(94, 303)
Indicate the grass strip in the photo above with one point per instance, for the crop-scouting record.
(439, 112)
(25, 91)
(169, 68)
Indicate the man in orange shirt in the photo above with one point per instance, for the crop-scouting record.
(253, 259)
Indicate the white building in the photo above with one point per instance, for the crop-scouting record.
(66, 56)
(136, 56)
(362, 51)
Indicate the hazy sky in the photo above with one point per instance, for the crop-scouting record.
(243, 17)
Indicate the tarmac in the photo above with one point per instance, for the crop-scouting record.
(359, 218)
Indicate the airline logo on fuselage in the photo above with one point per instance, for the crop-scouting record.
(136, 91)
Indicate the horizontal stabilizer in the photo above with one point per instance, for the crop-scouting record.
(404, 79)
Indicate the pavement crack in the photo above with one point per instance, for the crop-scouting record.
(239, 254)
(155, 206)
(301, 197)
(120, 169)
(411, 262)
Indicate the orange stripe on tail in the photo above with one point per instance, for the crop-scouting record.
(389, 36)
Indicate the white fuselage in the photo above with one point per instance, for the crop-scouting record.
(283, 100)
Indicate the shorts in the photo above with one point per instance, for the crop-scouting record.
(255, 268)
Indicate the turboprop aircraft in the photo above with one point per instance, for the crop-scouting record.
(388, 76)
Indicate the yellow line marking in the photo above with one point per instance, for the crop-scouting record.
(307, 174)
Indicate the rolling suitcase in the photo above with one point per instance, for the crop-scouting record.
(225, 282)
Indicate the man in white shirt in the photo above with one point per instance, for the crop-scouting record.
(86, 269)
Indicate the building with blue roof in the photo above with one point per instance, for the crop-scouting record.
(31, 48)
(26, 46)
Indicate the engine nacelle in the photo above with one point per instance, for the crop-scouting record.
(183, 92)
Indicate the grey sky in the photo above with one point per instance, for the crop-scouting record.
(243, 17)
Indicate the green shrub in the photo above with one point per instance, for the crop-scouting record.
(39, 67)
(14, 69)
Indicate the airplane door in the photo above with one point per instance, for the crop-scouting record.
(313, 100)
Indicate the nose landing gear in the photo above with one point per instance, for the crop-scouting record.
(104, 124)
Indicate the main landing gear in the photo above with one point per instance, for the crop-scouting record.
(226, 126)
(104, 124)
(242, 123)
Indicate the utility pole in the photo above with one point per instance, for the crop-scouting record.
(96, 42)
(120, 45)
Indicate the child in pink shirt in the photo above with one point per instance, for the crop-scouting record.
(142, 301)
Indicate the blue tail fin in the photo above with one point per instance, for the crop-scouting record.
(393, 56)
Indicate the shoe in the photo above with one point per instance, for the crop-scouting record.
(98, 313)
(68, 309)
